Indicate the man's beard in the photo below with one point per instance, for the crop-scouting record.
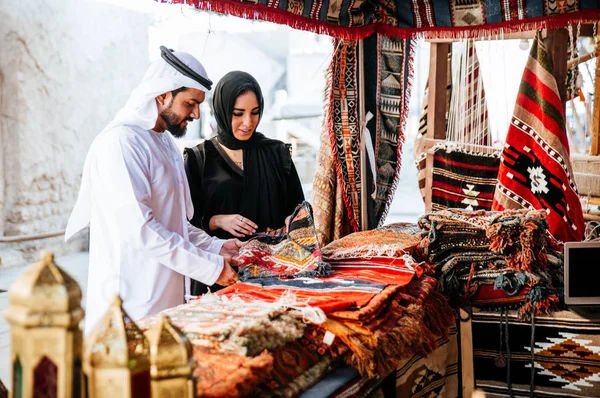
(171, 120)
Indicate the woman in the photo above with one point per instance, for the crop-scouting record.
(241, 182)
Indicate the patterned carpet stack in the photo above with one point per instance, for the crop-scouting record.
(495, 259)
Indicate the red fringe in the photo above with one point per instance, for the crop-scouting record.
(283, 17)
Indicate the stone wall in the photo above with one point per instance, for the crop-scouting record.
(66, 67)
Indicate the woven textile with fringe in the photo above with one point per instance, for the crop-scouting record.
(291, 252)
(495, 259)
(349, 287)
(395, 76)
(233, 326)
(463, 179)
(535, 172)
(367, 244)
(330, 217)
(406, 18)
(299, 364)
(409, 321)
(343, 126)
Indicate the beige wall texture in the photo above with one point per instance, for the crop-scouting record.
(66, 67)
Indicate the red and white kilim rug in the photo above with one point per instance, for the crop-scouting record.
(535, 169)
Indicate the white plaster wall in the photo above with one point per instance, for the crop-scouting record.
(66, 67)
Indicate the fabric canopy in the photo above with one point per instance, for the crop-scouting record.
(356, 19)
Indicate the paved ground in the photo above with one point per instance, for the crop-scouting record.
(75, 264)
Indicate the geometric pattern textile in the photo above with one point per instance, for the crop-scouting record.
(395, 72)
(463, 179)
(287, 254)
(566, 355)
(535, 169)
(342, 125)
(406, 18)
(435, 375)
(331, 222)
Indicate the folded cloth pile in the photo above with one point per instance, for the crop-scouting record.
(396, 324)
(348, 287)
(494, 259)
(237, 340)
(380, 309)
(233, 325)
(290, 252)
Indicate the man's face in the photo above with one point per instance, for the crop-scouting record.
(181, 109)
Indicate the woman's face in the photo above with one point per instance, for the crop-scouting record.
(246, 114)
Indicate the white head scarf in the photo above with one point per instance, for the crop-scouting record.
(140, 110)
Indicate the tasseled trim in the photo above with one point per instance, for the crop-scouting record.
(281, 16)
(540, 301)
(524, 242)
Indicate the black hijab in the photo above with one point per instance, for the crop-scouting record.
(231, 86)
(267, 162)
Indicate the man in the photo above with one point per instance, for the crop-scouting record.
(135, 198)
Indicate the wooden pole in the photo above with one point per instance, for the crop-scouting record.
(558, 40)
(595, 148)
(436, 105)
(364, 191)
(466, 354)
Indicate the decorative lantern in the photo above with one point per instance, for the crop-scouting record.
(116, 359)
(44, 313)
(171, 361)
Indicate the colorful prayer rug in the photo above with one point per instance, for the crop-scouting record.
(406, 18)
(463, 179)
(294, 253)
(565, 355)
(535, 170)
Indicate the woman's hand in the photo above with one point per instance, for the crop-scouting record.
(235, 224)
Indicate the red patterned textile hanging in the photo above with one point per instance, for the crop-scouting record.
(535, 169)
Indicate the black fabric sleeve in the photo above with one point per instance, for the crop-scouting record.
(195, 182)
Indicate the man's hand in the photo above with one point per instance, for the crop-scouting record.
(228, 275)
(230, 248)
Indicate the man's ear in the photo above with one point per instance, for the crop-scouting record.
(162, 99)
